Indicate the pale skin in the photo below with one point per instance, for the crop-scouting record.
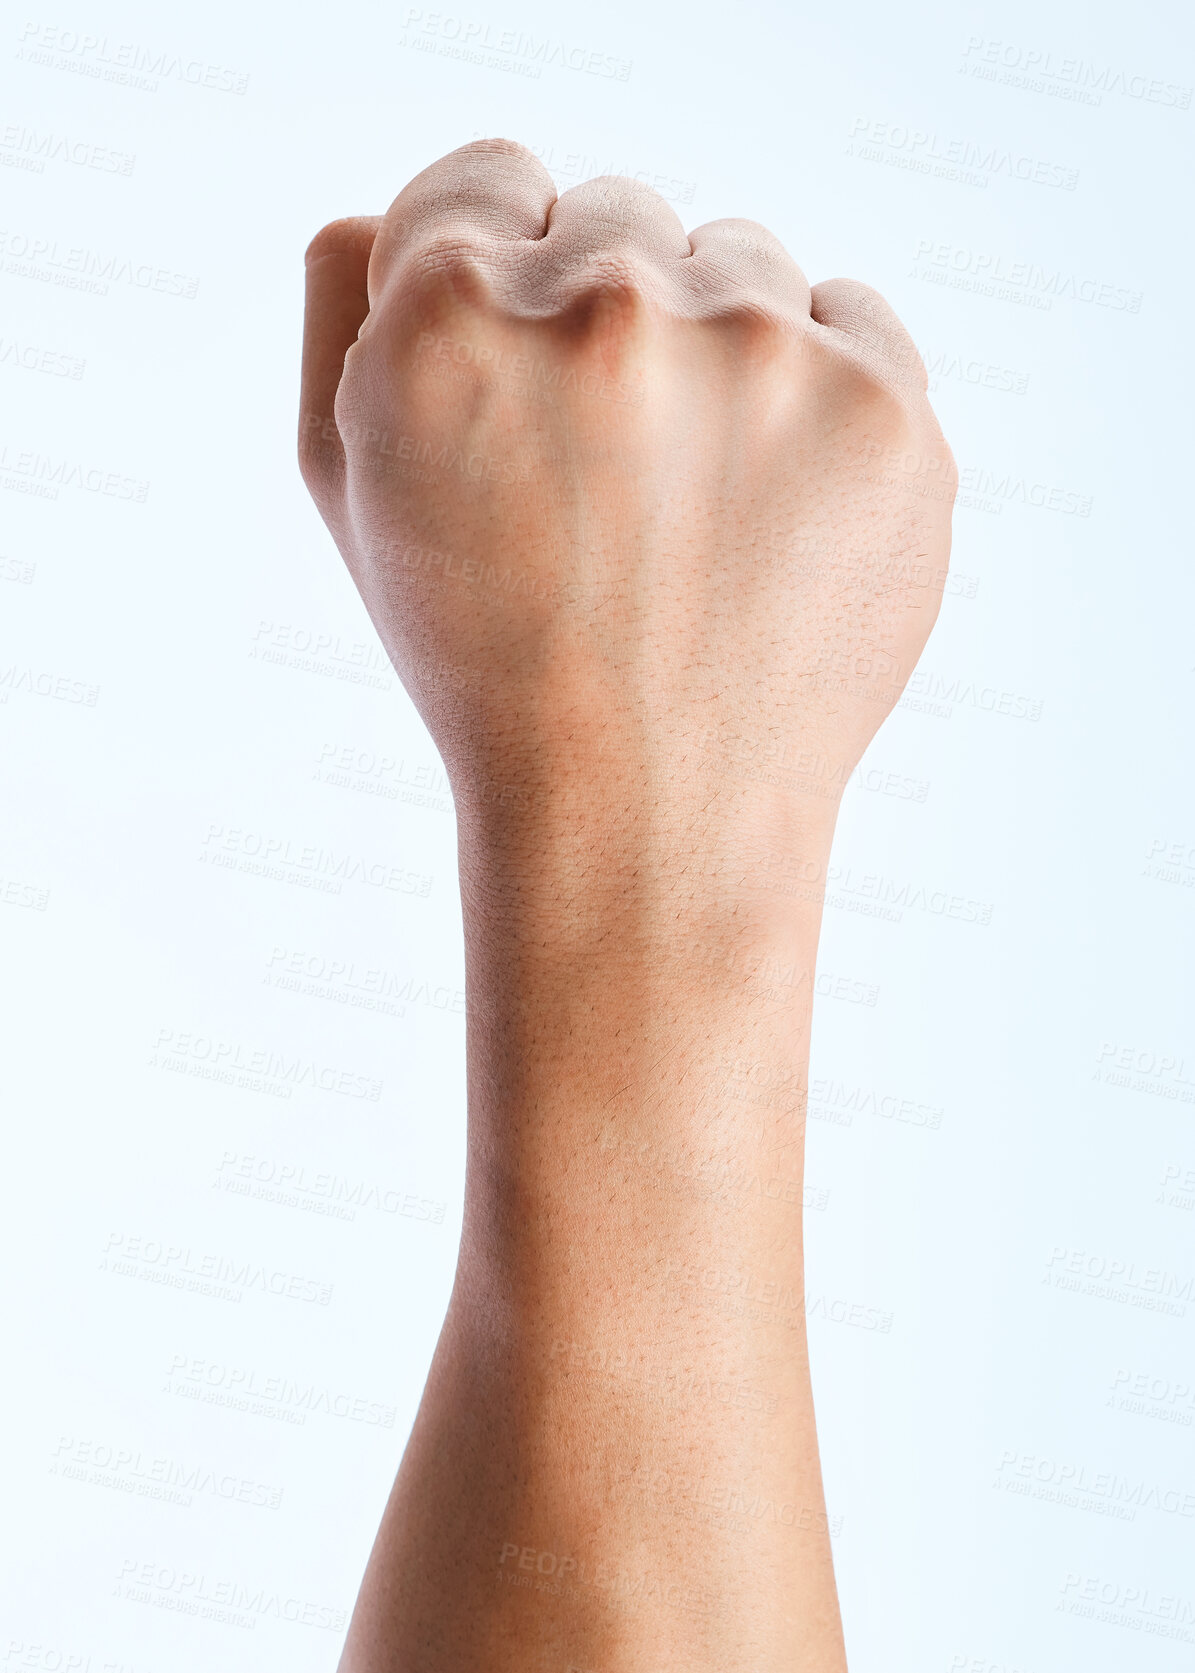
(654, 535)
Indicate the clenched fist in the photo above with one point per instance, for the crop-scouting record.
(653, 535)
(606, 486)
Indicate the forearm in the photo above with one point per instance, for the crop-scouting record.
(615, 1466)
(645, 746)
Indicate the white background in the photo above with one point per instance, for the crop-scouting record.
(1008, 1455)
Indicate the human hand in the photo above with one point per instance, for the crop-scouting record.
(653, 535)
(611, 489)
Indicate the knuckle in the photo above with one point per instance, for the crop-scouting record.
(497, 147)
(445, 265)
(317, 464)
(746, 238)
(865, 372)
(755, 323)
(343, 237)
(353, 403)
(617, 190)
(608, 296)
(616, 277)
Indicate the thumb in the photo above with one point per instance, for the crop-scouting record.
(337, 302)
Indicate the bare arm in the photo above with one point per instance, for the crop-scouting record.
(654, 536)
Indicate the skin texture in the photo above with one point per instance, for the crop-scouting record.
(654, 536)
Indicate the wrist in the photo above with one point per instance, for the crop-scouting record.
(624, 856)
